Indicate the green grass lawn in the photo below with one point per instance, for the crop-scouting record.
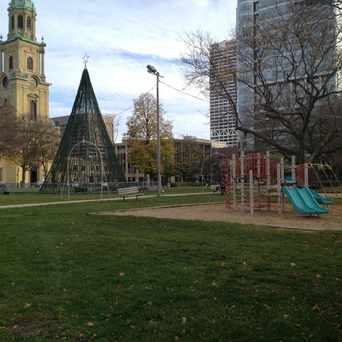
(68, 275)
(27, 198)
(35, 197)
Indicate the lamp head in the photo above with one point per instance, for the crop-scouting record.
(151, 69)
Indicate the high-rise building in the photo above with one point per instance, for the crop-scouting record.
(280, 59)
(23, 83)
(223, 81)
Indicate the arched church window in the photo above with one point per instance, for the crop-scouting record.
(29, 23)
(20, 22)
(12, 23)
(10, 63)
(5, 82)
(33, 110)
(29, 63)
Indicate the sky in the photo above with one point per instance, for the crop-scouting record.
(121, 37)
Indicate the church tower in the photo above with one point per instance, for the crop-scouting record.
(23, 83)
(22, 76)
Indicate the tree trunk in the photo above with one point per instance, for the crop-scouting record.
(23, 176)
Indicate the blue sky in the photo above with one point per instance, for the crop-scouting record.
(122, 37)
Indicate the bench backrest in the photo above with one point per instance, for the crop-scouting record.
(128, 191)
(214, 187)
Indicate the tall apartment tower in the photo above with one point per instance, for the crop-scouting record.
(222, 80)
(267, 15)
(23, 83)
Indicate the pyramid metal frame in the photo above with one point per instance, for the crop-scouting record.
(85, 161)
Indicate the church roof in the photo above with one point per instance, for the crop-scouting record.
(22, 4)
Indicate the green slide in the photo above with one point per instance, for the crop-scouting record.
(303, 201)
(321, 199)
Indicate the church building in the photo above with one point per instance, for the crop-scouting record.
(23, 82)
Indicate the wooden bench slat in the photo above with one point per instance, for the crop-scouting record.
(132, 191)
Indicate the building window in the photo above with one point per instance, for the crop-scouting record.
(20, 22)
(30, 63)
(10, 63)
(33, 110)
(29, 24)
(2, 61)
(12, 23)
(5, 82)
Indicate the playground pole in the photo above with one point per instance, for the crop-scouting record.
(268, 170)
(306, 174)
(268, 179)
(282, 174)
(229, 183)
(293, 168)
(242, 183)
(280, 207)
(251, 192)
(234, 180)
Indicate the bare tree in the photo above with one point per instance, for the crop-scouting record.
(35, 145)
(288, 79)
(8, 131)
(47, 139)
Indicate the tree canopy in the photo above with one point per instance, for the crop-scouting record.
(142, 136)
(26, 143)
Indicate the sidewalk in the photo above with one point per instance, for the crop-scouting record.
(114, 199)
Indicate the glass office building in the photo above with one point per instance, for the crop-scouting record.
(254, 16)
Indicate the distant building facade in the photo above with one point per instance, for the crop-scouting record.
(193, 161)
(223, 57)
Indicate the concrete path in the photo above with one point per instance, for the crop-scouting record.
(114, 199)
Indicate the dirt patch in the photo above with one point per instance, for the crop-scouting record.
(38, 326)
(218, 212)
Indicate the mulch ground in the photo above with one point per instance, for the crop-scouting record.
(217, 212)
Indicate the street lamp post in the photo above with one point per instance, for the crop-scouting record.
(152, 70)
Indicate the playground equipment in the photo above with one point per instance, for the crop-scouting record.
(319, 176)
(304, 201)
(254, 181)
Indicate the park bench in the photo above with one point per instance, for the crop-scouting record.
(215, 188)
(4, 190)
(129, 192)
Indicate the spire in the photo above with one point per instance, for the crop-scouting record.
(86, 154)
(85, 60)
(86, 102)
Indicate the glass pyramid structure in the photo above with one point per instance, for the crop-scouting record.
(85, 161)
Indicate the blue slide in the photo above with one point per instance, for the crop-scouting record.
(321, 199)
(303, 201)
